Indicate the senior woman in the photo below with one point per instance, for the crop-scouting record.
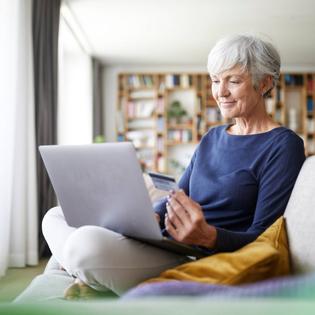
(237, 184)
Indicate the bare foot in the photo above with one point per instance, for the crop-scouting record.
(80, 290)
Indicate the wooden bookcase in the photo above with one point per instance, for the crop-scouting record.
(144, 100)
(309, 127)
(296, 96)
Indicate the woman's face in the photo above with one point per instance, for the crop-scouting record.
(235, 94)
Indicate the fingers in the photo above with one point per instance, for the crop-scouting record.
(173, 217)
(177, 214)
(185, 221)
(177, 219)
(184, 217)
(189, 211)
(189, 205)
(170, 228)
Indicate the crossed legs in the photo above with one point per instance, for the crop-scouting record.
(102, 258)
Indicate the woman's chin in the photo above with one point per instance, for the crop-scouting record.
(227, 114)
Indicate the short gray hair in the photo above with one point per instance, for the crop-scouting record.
(258, 57)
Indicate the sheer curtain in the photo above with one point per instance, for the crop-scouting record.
(75, 100)
(18, 205)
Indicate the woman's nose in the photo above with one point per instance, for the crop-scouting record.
(223, 90)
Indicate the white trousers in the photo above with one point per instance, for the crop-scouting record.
(101, 258)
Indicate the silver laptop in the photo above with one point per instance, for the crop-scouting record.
(102, 184)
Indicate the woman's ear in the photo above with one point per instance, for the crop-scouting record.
(266, 85)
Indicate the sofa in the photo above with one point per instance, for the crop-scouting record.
(294, 294)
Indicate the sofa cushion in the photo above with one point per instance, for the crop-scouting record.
(300, 218)
(264, 258)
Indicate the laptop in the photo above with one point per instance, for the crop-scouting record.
(103, 185)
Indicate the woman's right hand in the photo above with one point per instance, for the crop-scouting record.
(186, 223)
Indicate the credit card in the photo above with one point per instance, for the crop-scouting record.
(163, 182)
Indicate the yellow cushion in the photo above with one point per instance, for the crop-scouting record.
(266, 257)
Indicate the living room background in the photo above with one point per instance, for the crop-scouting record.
(138, 36)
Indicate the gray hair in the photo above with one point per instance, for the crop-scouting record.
(258, 57)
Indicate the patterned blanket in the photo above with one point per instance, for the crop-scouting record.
(298, 287)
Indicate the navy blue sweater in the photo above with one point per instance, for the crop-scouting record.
(243, 183)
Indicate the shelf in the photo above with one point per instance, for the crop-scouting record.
(151, 93)
(138, 128)
(144, 88)
(179, 126)
(140, 98)
(176, 143)
(140, 118)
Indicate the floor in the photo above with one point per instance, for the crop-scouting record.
(17, 279)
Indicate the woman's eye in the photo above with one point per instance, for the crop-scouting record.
(234, 82)
(215, 81)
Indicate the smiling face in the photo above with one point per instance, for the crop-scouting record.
(235, 94)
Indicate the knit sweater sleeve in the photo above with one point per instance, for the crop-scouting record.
(276, 182)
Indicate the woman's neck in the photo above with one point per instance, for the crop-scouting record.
(252, 126)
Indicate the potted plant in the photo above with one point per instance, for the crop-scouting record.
(176, 112)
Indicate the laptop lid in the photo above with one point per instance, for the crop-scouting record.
(101, 184)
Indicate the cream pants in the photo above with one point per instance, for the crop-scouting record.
(101, 258)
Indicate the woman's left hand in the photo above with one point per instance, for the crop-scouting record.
(185, 221)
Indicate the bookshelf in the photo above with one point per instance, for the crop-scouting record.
(143, 117)
(309, 94)
(275, 103)
(137, 115)
(165, 144)
(297, 101)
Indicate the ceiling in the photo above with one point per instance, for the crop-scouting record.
(181, 32)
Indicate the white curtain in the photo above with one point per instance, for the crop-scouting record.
(18, 201)
(75, 100)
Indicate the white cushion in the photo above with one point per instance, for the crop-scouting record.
(300, 219)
